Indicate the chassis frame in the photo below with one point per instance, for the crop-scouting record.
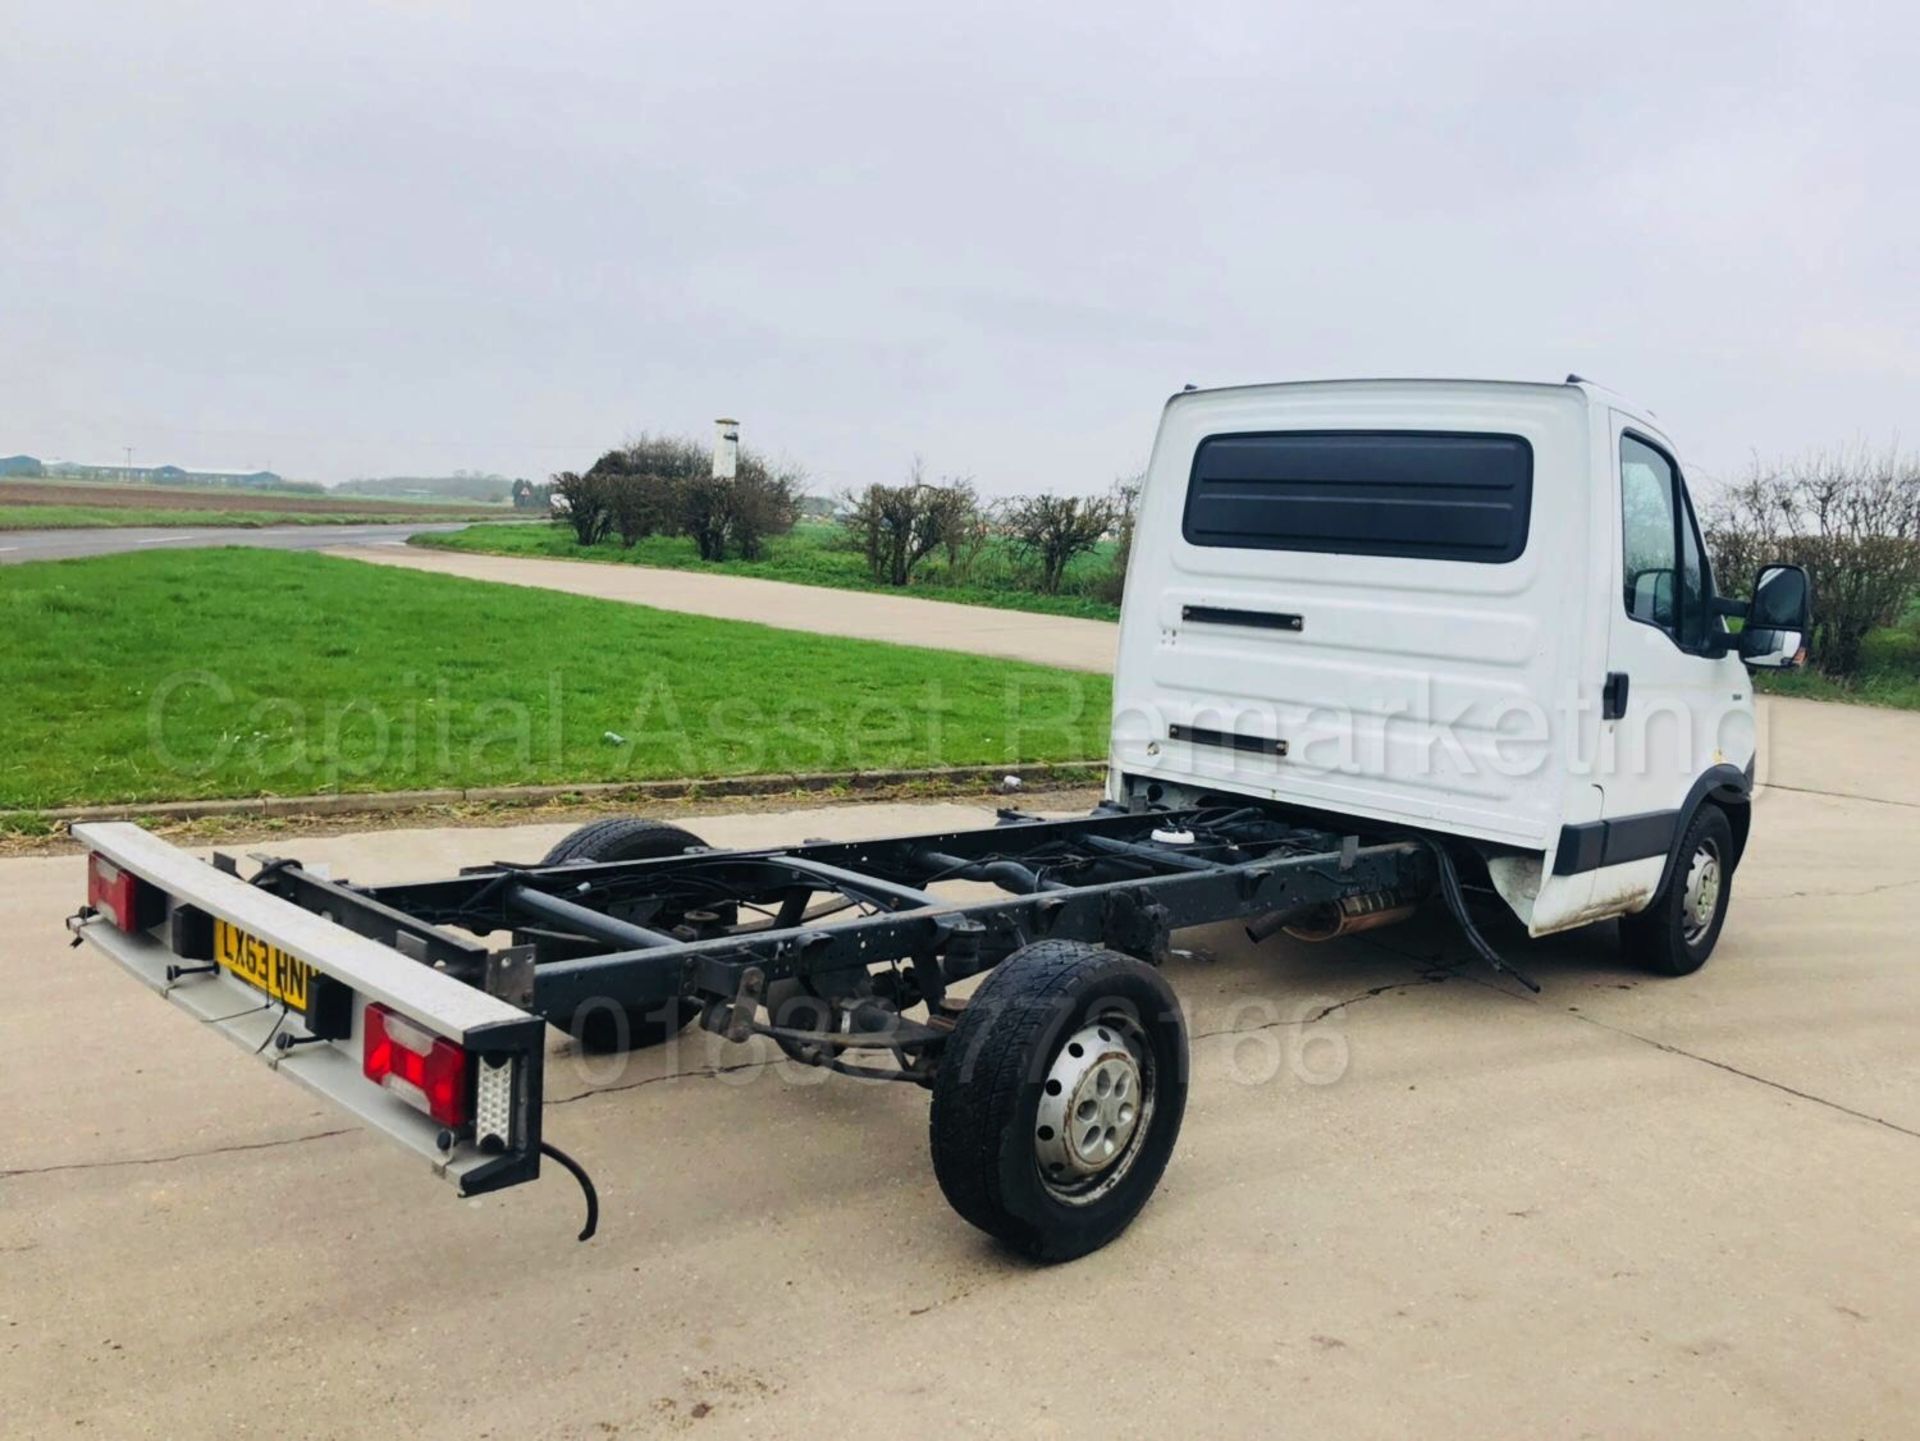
(666, 937)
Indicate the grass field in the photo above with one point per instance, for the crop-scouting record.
(57, 504)
(95, 517)
(1889, 670)
(811, 555)
(192, 674)
(1887, 688)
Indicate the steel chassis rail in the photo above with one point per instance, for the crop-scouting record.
(667, 938)
(1125, 891)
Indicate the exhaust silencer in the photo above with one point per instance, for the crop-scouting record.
(1338, 918)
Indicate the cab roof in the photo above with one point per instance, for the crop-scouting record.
(1593, 390)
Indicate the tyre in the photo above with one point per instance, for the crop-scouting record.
(621, 838)
(601, 1027)
(1059, 1098)
(1675, 935)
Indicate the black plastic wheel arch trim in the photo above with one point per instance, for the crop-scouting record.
(1589, 845)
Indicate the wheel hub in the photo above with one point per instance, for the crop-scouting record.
(1702, 897)
(1090, 1107)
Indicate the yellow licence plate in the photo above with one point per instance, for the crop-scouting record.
(265, 967)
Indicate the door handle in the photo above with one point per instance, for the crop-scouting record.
(1613, 696)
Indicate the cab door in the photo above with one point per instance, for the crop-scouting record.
(1672, 693)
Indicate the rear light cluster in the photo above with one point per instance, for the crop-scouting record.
(121, 896)
(428, 1072)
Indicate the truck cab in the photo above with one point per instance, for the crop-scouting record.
(1481, 610)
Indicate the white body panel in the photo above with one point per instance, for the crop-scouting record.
(1451, 695)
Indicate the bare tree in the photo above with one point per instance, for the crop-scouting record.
(643, 478)
(899, 526)
(1055, 530)
(700, 512)
(1852, 520)
(580, 501)
(762, 500)
(1126, 504)
(636, 505)
(664, 457)
(965, 526)
(664, 484)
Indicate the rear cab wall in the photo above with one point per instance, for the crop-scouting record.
(1442, 685)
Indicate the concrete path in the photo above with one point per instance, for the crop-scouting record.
(24, 545)
(981, 630)
(1408, 1199)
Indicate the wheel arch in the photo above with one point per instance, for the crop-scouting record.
(1731, 789)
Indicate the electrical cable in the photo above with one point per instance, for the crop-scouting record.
(1457, 903)
(579, 1172)
(274, 1029)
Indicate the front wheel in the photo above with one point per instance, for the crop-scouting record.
(1059, 1098)
(1675, 935)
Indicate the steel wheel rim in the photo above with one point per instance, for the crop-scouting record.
(1096, 1106)
(1701, 899)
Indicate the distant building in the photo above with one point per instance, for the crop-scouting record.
(167, 475)
(21, 465)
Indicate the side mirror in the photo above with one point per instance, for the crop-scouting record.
(1778, 619)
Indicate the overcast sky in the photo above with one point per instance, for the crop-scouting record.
(343, 238)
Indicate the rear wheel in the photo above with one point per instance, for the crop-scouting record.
(1059, 1098)
(601, 1026)
(622, 838)
(1675, 935)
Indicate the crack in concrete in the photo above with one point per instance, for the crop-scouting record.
(1840, 795)
(1371, 992)
(1733, 1070)
(1435, 976)
(1459, 973)
(705, 1073)
(1836, 895)
(177, 1156)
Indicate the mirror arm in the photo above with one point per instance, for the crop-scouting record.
(1730, 608)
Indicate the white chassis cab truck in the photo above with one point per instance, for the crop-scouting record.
(1384, 643)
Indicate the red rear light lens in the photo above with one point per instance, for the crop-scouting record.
(428, 1072)
(112, 892)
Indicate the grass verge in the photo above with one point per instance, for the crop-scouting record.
(1889, 670)
(1900, 690)
(811, 555)
(189, 674)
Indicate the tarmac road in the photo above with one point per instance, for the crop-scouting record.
(24, 545)
(1408, 1200)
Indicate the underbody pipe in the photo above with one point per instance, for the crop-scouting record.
(1343, 918)
(1337, 918)
(1008, 875)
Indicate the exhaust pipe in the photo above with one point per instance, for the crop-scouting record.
(1343, 917)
